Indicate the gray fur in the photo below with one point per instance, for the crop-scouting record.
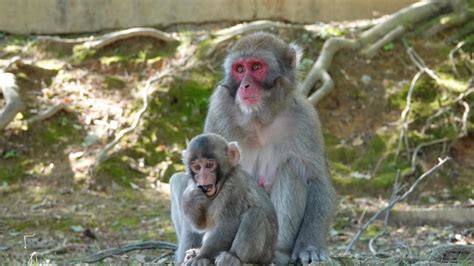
(241, 212)
(283, 143)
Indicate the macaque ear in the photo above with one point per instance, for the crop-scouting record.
(233, 152)
(294, 54)
(184, 155)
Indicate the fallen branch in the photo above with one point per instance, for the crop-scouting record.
(393, 202)
(49, 112)
(13, 103)
(98, 42)
(153, 244)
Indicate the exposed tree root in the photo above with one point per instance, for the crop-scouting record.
(98, 42)
(446, 22)
(13, 103)
(122, 250)
(370, 41)
(320, 67)
(229, 33)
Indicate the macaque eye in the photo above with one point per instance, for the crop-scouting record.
(256, 66)
(196, 167)
(210, 165)
(240, 68)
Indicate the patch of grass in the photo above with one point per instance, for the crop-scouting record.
(125, 221)
(114, 82)
(59, 130)
(14, 170)
(118, 170)
(62, 224)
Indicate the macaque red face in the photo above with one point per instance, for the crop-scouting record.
(249, 73)
(205, 176)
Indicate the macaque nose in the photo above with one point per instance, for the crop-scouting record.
(246, 86)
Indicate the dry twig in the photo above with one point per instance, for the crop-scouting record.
(404, 115)
(395, 190)
(393, 202)
(451, 57)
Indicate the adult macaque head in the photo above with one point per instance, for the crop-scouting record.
(254, 68)
(208, 160)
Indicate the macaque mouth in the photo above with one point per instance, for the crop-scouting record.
(210, 190)
(250, 100)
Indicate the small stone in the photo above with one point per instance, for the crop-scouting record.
(366, 79)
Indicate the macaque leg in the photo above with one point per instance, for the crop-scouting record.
(254, 226)
(186, 236)
(227, 259)
(288, 196)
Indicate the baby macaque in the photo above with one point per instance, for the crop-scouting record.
(224, 203)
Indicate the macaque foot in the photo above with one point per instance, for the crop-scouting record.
(196, 261)
(190, 253)
(227, 259)
(310, 254)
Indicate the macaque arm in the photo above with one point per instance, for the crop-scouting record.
(194, 206)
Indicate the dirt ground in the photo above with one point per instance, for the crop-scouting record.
(53, 208)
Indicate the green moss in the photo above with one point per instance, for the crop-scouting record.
(81, 53)
(62, 224)
(425, 91)
(203, 48)
(114, 82)
(14, 170)
(60, 130)
(125, 221)
(117, 169)
(374, 152)
(371, 231)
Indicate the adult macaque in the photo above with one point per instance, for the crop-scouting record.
(279, 134)
(224, 203)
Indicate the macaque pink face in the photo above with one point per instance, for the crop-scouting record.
(205, 175)
(249, 73)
